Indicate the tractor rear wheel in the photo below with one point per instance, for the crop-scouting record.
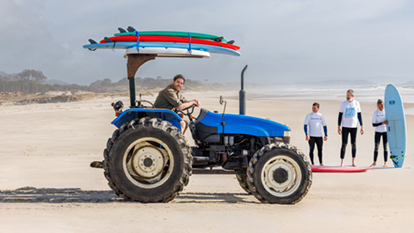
(279, 173)
(147, 161)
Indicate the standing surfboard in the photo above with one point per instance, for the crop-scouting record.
(396, 130)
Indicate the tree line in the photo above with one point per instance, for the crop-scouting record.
(25, 75)
(31, 81)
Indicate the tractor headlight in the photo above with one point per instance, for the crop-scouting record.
(118, 106)
(286, 134)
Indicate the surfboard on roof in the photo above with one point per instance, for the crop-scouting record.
(133, 32)
(168, 39)
(126, 45)
(163, 43)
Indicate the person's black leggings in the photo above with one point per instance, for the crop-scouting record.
(384, 143)
(319, 142)
(353, 133)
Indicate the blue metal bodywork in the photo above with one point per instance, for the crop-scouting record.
(134, 113)
(234, 123)
(241, 124)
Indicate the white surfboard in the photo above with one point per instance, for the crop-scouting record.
(396, 130)
(168, 52)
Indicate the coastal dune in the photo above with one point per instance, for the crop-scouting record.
(46, 184)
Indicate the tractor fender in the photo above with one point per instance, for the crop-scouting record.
(138, 113)
(241, 124)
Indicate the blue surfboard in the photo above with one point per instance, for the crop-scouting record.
(126, 45)
(396, 130)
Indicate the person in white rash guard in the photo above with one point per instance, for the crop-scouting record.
(315, 120)
(349, 115)
(380, 124)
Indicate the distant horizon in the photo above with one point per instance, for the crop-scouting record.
(300, 82)
(319, 81)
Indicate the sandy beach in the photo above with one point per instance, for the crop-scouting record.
(46, 184)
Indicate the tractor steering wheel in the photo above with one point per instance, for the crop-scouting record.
(140, 104)
(146, 101)
(189, 111)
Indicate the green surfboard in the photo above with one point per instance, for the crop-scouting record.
(172, 33)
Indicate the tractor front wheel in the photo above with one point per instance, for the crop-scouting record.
(279, 173)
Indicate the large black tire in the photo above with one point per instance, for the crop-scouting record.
(147, 161)
(242, 179)
(279, 173)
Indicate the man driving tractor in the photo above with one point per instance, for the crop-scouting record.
(170, 98)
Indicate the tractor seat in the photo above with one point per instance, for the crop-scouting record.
(204, 132)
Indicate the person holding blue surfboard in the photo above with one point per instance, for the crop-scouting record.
(380, 123)
(396, 128)
(349, 115)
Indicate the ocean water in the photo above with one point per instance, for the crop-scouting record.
(363, 93)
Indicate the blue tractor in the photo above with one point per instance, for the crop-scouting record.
(147, 159)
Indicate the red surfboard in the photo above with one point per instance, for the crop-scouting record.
(170, 39)
(338, 169)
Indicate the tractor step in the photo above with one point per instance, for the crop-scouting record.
(96, 164)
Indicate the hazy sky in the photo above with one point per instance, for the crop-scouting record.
(281, 41)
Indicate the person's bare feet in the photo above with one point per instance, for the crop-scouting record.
(374, 164)
(353, 162)
(321, 164)
(385, 165)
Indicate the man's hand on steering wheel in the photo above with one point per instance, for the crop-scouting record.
(197, 103)
(189, 110)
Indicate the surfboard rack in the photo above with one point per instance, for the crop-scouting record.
(134, 62)
(138, 53)
(168, 52)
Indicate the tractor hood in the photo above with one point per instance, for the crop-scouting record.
(241, 124)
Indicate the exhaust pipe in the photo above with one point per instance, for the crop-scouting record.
(242, 94)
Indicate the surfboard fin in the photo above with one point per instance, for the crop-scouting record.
(131, 29)
(230, 42)
(121, 30)
(107, 39)
(219, 39)
(92, 42)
